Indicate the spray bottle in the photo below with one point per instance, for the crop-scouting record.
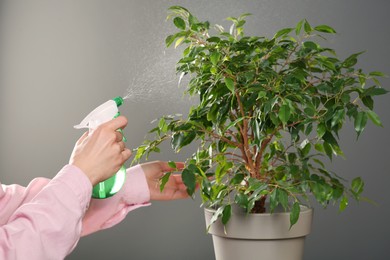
(104, 113)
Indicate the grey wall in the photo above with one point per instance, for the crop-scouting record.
(60, 59)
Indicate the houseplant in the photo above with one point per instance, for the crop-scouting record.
(269, 114)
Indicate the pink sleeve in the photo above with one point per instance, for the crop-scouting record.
(108, 212)
(43, 221)
(13, 196)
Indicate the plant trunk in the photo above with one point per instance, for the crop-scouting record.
(259, 205)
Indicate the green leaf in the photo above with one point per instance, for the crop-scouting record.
(214, 58)
(234, 122)
(237, 179)
(162, 125)
(192, 20)
(368, 102)
(274, 118)
(179, 41)
(220, 171)
(179, 23)
(229, 84)
(375, 91)
(329, 138)
(343, 203)
(324, 28)
(233, 19)
(306, 26)
(226, 214)
(216, 215)
(255, 184)
(189, 180)
(141, 150)
(374, 118)
(193, 168)
(377, 74)
(282, 198)
(319, 147)
(357, 184)
(319, 162)
(169, 40)
(357, 187)
(328, 150)
(244, 15)
(321, 129)
(172, 164)
(294, 214)
(241, 200)
(310, 45)
(306, 150)
(214, 39)
(298, 27)
(338, 117)
(351, 60)
(283, 32)
(360, 122)
(337, 150)
(178, 9)
(261, 94)
(164, 180)
(213, 70)
(345, 97)
(176, 141)
(284, 113)
(188, 138)
(292, 157)
(273, 202)
(309, 129)
(213, 112)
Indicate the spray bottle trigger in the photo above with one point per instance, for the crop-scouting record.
(120, 130)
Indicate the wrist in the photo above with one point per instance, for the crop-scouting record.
(88, 173)
(136, 189)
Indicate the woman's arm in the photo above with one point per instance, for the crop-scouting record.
(25, 214)
(142, 185)
(105, 213)
(45, 218)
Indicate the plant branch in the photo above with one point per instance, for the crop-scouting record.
(244, 133)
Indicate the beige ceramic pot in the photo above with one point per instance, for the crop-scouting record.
(260, 236)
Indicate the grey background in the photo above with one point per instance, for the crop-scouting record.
(60, 59)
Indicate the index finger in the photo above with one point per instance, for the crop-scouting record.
(116, 123)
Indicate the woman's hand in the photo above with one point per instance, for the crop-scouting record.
(174, 188)
(101, 154)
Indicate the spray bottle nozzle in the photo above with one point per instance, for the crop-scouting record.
(118, 101)
(101, 114)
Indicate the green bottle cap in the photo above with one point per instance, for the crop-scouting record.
(118, 101)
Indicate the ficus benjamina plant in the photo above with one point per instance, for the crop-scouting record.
(269, 113)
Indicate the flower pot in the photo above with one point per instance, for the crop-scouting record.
(259, 236)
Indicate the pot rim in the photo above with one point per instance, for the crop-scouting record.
(260, 225)
(238, 210)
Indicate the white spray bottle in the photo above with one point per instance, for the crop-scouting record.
(104, 113)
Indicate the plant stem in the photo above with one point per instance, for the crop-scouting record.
(259, 206)
(244, 133)
(259, 156)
